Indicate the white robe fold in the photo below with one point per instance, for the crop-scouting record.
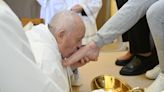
(18, 72)
(91, 7)
(48, 57)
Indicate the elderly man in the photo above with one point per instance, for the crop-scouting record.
(56, 41)
(87, 9)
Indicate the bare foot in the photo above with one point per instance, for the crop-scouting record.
(127, 56)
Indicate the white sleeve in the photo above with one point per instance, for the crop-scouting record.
(18, 72)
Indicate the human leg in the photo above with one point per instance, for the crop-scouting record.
(156, 23)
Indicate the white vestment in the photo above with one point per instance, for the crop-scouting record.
(18, 72)
(48, 57)
(91, 7)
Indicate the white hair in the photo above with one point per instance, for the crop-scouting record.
(64, 19)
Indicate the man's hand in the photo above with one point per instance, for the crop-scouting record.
(91, 51)
(77, 8)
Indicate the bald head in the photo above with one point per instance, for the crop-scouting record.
(67, 20)
(68, 29)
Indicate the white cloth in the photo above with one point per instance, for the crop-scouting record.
(153, 73)
(157, 85)
(18, 73)
(47, 55)
(91, 7)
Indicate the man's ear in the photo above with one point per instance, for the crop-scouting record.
(60, 35)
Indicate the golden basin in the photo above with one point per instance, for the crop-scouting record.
(112, 84)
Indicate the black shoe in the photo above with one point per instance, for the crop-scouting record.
(123, 62)
(139, 65)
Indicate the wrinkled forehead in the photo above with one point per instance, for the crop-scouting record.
(76, 34)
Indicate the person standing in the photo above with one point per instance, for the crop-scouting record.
(138, 35)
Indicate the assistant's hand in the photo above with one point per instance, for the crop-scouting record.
(91, 51)
(77, 8)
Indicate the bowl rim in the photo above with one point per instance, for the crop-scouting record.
(123, 82)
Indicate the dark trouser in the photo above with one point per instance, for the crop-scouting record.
(139, 37)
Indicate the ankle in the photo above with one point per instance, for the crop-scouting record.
(145, 54)
(128, 55)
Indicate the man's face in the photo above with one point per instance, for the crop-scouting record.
(71, 41)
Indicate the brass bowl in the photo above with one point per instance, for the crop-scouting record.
(112, 84)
